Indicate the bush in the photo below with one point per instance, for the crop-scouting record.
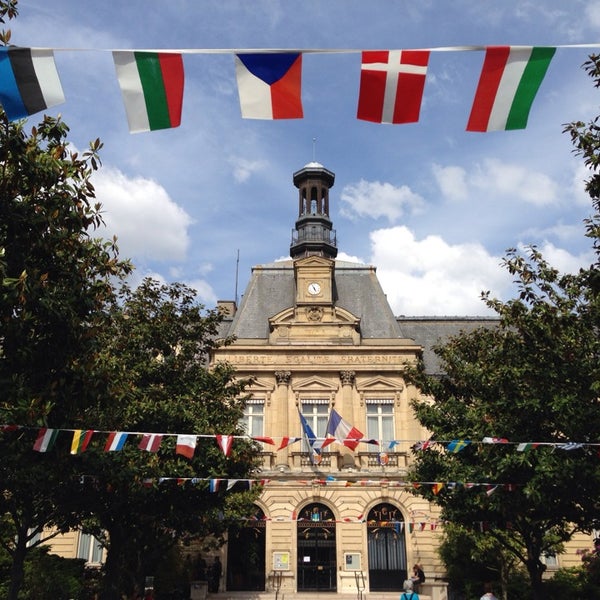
(51, 577)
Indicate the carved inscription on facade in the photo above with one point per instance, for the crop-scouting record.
(312, 359)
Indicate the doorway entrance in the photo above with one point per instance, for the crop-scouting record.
(386, 547)
(246, 555)
(317, 568)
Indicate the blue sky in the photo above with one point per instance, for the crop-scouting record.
(432, 206)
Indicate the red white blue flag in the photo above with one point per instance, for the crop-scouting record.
(269, 85)
(115, 442)
(342, 431)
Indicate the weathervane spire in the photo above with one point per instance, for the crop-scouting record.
(314, 149)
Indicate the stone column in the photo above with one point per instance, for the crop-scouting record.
(281, 422)
(347, 412)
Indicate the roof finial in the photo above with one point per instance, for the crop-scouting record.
(314, 149)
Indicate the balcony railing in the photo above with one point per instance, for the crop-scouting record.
(332, 462)
(314, 234)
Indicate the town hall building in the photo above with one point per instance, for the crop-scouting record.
(319, 339)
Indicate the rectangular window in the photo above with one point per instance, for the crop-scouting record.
(34, 539)
(254, 417)
(89, 549)
(316, 413)
(380, 420)
(550, 560)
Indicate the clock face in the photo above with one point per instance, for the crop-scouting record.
(314, 288)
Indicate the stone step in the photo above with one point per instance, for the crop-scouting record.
(308, 596)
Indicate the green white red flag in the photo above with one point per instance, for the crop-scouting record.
(508, 84)
(152, 87)
(45, 439)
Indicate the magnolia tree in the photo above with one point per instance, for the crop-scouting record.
(56, 282)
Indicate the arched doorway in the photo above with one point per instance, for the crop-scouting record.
(246, 555)
(387, 548)
(317, 568)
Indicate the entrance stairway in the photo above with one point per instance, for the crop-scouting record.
(308, 596)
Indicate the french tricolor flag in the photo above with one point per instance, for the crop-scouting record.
(342, 431)
(269, 85)
(29, 81)
(115, 442)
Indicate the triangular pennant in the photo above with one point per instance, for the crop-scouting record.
(265, 440)
(225, 442)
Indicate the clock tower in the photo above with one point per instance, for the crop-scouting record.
(313, 246)
(313, 235)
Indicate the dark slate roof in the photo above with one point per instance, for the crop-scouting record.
(272, 289)
(429, 331)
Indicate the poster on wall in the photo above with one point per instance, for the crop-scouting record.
(281, 561)
(352, 561)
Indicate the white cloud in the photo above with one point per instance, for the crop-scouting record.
(349, 258)
(497, 179)
(560, 231)
(561, 259)
(580, 176)
(147, 222)
(243, 168)
(206, 294)
(432, 277)
(452, 181)
(514, 181)
(375, 199)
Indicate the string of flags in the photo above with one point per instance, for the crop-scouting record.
(269, 83)
(339, 430)
(217, 484)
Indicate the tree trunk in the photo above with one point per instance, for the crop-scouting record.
(536, 569)
(17, 570)
(111, 582)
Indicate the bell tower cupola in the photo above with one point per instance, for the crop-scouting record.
(313, 235)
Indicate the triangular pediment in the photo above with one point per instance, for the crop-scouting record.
(380, 384)
(313, 261)
(315, 385)
(260, 386)
(304, 314)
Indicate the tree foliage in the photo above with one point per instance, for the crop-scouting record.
(155, 345)
(55, 281)
(534, 377)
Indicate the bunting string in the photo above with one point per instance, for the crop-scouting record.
(269, 81)
(339, 429)
(217, 484)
